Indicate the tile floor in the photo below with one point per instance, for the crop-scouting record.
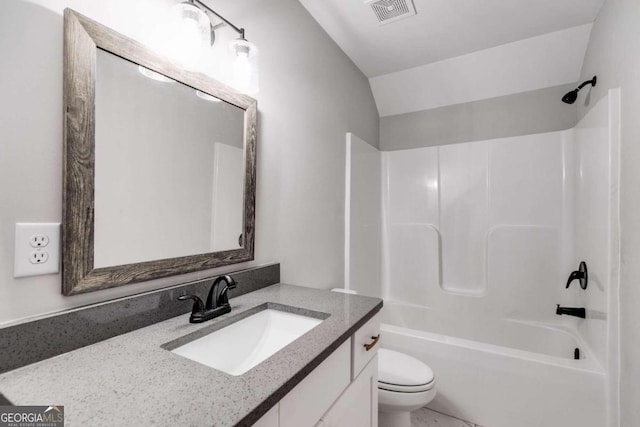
(427, 418)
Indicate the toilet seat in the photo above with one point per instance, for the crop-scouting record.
(405, 389)
(399, 372)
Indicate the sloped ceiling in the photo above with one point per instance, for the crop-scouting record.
(442, 28)
(539, 62)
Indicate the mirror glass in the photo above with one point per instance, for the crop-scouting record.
(169, 167)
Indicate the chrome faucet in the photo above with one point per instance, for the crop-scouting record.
(570, 311)
(217, 301)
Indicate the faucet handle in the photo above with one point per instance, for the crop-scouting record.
(580, 274)
(198, 305)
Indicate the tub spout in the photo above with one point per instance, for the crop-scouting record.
(571, 311)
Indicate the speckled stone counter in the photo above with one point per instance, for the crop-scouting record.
(131, 380)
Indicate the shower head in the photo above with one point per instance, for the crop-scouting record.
(570, 97)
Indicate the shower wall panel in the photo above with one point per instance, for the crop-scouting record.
(463, 217)
(412, 186)
(483, 220)
(596, 200)
(363, 217)
(414, 255)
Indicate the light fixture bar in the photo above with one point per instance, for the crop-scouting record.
(206, 8)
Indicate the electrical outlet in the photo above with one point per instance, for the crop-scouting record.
(39, 240)
(39, 257)
(37, 249)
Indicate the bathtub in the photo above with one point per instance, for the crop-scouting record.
(501, 373)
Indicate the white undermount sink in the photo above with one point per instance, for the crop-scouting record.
(246, 343)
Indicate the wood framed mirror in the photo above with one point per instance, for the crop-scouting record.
(159, 164)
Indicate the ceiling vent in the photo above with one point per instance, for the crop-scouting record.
(391, 10)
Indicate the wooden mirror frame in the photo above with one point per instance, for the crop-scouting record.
(82, 38)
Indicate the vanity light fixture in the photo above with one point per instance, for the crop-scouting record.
(183, 34)
(189, 35)
(244, 71)
(243, 54)
(192, 31)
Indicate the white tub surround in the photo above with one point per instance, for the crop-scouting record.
(478, 241)
(363, 217)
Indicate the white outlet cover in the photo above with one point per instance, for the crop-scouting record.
(23, 249)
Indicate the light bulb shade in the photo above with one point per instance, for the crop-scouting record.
(188, 35)
(244, 66)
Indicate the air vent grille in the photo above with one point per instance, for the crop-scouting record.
(391, 10)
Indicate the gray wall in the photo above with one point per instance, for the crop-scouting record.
(614, 55)
(524, 113)
(311, 94)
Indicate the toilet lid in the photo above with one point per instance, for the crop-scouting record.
(402, 370)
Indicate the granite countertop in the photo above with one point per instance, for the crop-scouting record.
(131, 380)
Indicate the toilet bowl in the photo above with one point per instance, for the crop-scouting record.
(404, 385)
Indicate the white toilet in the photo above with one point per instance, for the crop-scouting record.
(404, 385)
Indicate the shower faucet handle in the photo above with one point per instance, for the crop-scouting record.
(581, 274)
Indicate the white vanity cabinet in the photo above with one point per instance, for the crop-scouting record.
(358, 405)
(305, 404)
(270, 419)
(341, 392)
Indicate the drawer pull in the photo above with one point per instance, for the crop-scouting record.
(372, 343)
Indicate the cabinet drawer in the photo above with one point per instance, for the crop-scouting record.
(364, 345)
(305, 404)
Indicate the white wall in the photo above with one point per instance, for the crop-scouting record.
(304, 112)
(613, 54)
(535, 63)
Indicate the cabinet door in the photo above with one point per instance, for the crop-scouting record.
(314, 395)
(270, 419)
(358, 405)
